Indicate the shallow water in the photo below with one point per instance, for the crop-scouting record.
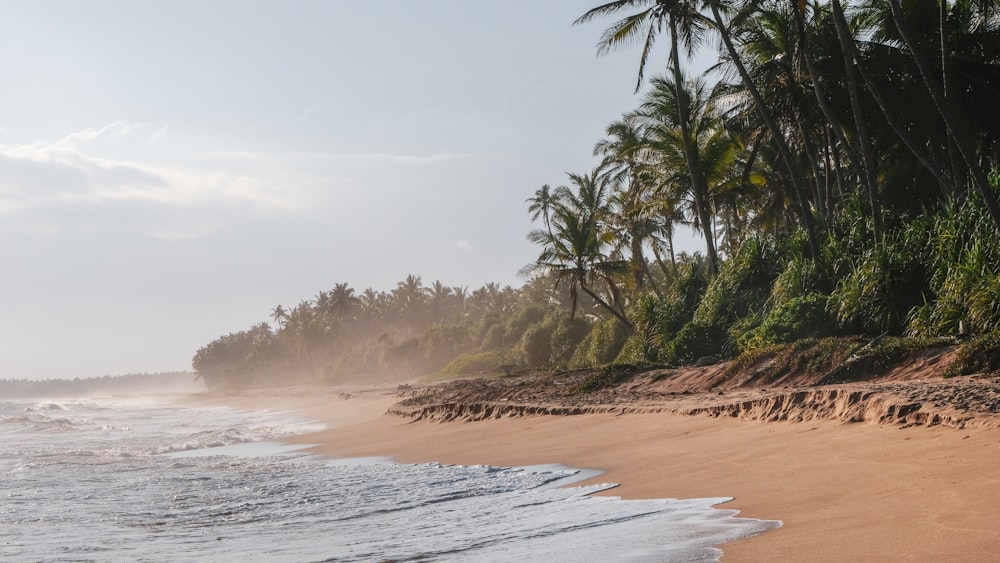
(111, 480)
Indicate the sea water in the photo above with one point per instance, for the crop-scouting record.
(123, 480)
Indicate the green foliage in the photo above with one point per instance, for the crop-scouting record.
(881, 288)
(963, 257)
(536, 345)
(693, 342)
(406, 352)
(602, 344)
(520, 321)
(442, 342)
(646, 341)
(794, 319)
(567, 335)
(480, 362)
(742, 286)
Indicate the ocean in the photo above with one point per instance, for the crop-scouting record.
(129, 479)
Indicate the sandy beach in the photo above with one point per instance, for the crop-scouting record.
(845, 491)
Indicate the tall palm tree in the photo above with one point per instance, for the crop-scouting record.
(439, 298)
(777, 134)
(674, 154)
(685, 25)
(343, 301)
(280, 316)
(867, 165)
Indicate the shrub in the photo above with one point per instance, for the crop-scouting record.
(567, 335)
(475, 363)
(693, 342)
(536, 345)
(602, 345)
(795, 319)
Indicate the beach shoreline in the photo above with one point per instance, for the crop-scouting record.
(844, 491)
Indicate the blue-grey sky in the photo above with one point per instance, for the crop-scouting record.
(171, 170)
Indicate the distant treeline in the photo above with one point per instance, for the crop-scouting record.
(393, 335)
(129, 384)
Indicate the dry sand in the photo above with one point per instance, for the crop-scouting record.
(845, 491)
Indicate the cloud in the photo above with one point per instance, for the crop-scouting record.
(160, 133)
(68, 172)
(460, 244)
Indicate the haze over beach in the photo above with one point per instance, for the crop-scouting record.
(171, 171)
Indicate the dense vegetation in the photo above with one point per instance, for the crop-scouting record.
(839, 161)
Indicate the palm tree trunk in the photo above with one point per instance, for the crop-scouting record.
(698, 186)
(638, 261)
(868, 165)
(847, 42)
(954, 120)
(597, 299)
(772, 127)
(660, 263)
(813, 162)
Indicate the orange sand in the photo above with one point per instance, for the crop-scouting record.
(845, 492)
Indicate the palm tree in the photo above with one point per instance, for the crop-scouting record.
(280, 316)
(686, 26)
(777, 134)
(541, 205)
(577, 250)
(409, 300)
(623, 150)
(673, 153)
(955, 121)
(868, 164)
(439, 300)
(343, 301)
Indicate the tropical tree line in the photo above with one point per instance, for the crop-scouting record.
(838, 161)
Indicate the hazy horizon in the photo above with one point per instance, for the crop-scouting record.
(172, 171)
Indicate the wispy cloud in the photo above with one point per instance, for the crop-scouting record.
(66, 172)
(160, 133)
(460, 244)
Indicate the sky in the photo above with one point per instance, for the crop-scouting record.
(172, 170)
